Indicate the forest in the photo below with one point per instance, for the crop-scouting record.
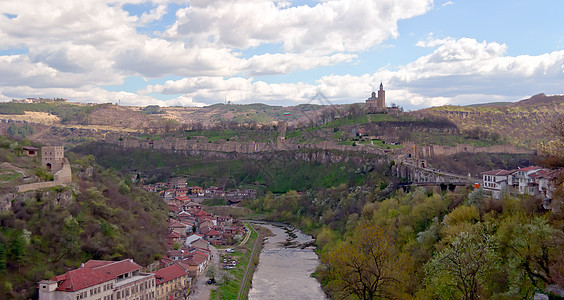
(424, 244)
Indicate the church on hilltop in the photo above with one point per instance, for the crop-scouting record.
(377, 102)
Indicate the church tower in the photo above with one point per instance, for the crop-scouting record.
(381, 104)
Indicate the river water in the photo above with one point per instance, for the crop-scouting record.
(286, 263)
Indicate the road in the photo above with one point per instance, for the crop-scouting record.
(201, 290)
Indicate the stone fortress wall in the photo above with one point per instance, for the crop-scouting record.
(195, 144)
(201, 145)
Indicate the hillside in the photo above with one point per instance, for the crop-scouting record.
(522, 123)
(49, 231)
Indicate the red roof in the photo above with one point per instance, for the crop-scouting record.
(169, 273)
(115, 268)
(173, 207)
(173, 235)
(213, 233)
(175, 224)
(498, 172)
(182, 198)
(545, 173)
(530, 168)
(92, 273)
(197, 259)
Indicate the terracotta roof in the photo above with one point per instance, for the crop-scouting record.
(173, 235)
(182, 198)
(183, 264)
(197, 259)
(545, 173)
(115, 268)
(92, 273)
(530, 168)
(213, 233)
(498, 172)
(169, 273)
(175, 224)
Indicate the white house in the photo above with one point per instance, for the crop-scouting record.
(495, 181)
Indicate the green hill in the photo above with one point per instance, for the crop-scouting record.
(522, 123)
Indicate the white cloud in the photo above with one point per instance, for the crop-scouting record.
(155, 14)
(86, 95)
(284, 63)
(71, 48)
(329, 26)
(457, 72)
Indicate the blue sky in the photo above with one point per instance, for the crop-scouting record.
(196, 53)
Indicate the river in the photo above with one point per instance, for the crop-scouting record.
(286, 263)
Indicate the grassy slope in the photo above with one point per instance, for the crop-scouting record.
(522, 123)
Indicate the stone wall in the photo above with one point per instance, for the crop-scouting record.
(176, 144)
(36, 186)
(64, 175)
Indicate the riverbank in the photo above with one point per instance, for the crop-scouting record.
(246, 256)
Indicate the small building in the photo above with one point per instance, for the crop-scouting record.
(526, 183)
(30, 151)
(495, 181)
(172, 282)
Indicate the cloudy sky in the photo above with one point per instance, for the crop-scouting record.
(201, 52)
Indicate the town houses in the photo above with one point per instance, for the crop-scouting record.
(533, 180)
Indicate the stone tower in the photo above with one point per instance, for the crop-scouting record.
(377, 102)
(52, 157)
(381, 97)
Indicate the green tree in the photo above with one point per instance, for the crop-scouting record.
(367, 266)
(536, 247)
(212, 271)
(461, 270)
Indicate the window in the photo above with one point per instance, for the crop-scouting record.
(118, 295)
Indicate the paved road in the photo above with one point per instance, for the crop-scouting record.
(201, 290)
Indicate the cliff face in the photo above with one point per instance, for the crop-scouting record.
(419, 151)
(10, 198)
(175, 144)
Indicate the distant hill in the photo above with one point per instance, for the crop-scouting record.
(524, 122)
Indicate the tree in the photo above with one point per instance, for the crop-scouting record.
(367, 266)
(461, 270)
(553, 149)
(212, 271)
(536, 247)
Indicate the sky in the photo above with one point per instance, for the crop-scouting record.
(201, 52)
